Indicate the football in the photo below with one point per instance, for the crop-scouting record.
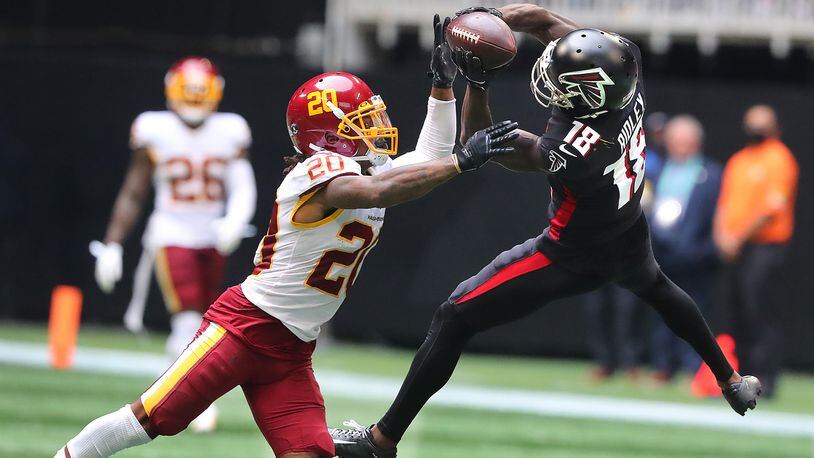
(486, 35)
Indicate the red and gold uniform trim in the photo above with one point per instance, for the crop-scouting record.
(196, 350)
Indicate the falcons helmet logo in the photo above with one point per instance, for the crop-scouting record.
(588, 84)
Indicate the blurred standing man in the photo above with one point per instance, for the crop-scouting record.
(205, 196)
(753, 226)
(685, 194)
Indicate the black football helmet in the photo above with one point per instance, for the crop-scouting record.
(588, 71)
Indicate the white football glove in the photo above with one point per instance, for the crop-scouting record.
(108, 264)
(229, 235)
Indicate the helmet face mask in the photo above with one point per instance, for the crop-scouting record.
(542, 86)
(338, 112)
(371, 124)
(194, 89)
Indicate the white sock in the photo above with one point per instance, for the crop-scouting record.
(183, 327)
(107, 435)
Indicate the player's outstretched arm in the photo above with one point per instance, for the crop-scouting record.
(476, 114)
(526, 156)
(403, 184)
(437, 136)
(126, 211)
(536, 21)
(390, 188)
(130, 200)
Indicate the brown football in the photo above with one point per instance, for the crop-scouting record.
(486, 35)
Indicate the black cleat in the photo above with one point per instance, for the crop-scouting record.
(743, 395)
(357, 442)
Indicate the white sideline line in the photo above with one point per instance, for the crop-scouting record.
(366, 387)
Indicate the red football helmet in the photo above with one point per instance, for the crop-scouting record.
(338, 112)
(194, 88)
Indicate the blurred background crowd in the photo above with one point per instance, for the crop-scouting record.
(729, 84)
(713, 226)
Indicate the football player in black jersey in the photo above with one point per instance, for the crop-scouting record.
(592, 153)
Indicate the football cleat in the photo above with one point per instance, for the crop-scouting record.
(357, 442)
(743, 395)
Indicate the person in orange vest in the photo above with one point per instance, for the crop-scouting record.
(753, 226)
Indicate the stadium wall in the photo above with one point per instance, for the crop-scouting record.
(64, 122)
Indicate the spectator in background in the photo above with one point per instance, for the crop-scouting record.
(682, 213)
(611, 313)
(753, 226)
(654, 127)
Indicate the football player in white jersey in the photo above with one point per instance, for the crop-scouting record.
(205, 194)
(326, 217)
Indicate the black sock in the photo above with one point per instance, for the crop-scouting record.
(683, 317)
(432, 367)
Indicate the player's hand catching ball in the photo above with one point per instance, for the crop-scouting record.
(486, 144)
(442, 68)
(471, 67)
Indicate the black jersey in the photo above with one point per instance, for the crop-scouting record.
(596, 171)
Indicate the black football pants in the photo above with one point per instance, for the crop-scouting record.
(518, 282)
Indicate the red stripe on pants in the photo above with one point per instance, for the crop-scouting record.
(523, 266)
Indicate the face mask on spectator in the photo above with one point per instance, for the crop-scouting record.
(753, 137)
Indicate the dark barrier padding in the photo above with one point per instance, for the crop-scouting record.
(64, 121)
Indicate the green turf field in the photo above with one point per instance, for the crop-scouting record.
(40, 409)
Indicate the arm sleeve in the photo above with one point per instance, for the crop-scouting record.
(437, 137)
(241, 192)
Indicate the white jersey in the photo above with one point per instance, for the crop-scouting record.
(304, 271)
(189, 172)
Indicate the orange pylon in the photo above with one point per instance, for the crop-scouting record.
(63, 325)
(704, 384)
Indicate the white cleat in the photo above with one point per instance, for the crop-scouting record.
(206, 422)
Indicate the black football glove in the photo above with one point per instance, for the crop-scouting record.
(482, 9)
(471, 67)
(442, 68)
(486, 144)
